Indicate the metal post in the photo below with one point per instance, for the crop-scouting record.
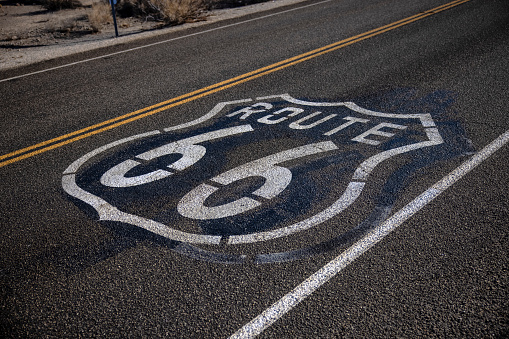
(113, 3)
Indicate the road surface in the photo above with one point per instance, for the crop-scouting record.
(327, 169)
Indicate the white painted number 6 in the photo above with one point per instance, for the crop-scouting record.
(188, 148)
(277, 178)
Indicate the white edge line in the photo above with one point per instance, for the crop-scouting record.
(311, 284)
(161, 42)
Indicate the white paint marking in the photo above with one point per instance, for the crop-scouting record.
(311, 284)
(267, 119)
(109, 212)
(188, 148)
(351, 194)
(115, 176)
(298, 124)
(161, 42)
(192, 205)
(73, 168)
(425, 118)
(377, 131)
(277, 178)
(362, 172)
(248, 111)
(350, 122)
(213, 112)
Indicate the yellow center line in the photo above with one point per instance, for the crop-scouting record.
(200, 93)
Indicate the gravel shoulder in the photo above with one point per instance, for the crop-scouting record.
(30, 34)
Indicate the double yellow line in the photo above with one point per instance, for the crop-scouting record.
(162, 106)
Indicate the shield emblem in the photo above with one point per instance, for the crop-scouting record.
(268, 179)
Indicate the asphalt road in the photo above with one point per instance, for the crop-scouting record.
(313, 130)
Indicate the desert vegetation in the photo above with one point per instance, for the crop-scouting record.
(169, 12)
(97, 14)
(165, 12)
(100, 15)
(26, 25)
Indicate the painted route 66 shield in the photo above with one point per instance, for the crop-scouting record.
(268, 179)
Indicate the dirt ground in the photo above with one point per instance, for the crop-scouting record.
(29, 33)
(31, 25)
(26, 29)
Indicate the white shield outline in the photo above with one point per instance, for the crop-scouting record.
(108, 212)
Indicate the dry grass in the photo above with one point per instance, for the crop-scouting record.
(167, 12)
(100, 16)
(176, 12)
(170, 12)
(62, 26)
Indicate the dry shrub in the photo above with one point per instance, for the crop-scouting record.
(100, 16)
(171, 12)
(56, 5)
(177, 12)
(59, 25)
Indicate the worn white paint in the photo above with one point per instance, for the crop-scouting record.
(351, 193)
(277, 178)
(189, 149)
